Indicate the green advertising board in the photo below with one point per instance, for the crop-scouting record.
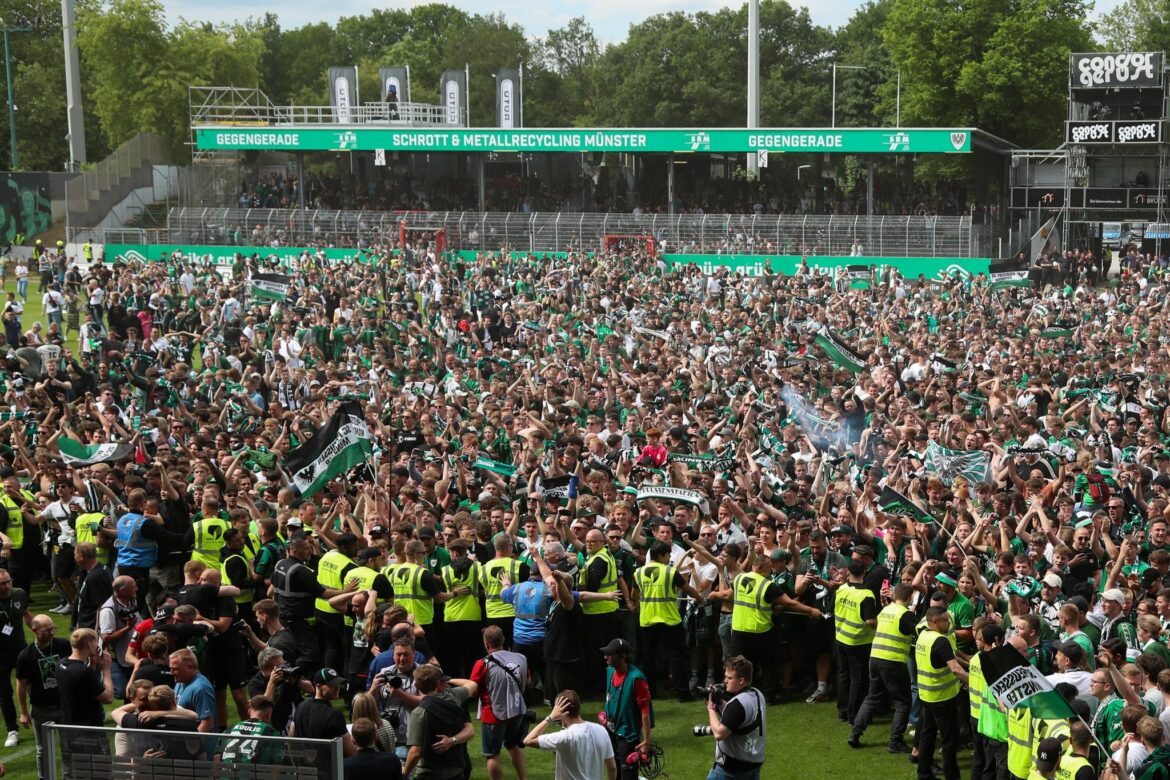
(909, 267)
(220, 255)
(367, 139)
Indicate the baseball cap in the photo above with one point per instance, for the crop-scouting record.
(1079, 602)
(327, 676)
(1048, 754)
(165, 612)
(1072, 651)
(1053, 580)
(426, 533)
(294, 522)
(617, 646)
(841, 529)
(1114, 594)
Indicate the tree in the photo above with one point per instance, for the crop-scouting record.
(1137, 25)
(485, 44)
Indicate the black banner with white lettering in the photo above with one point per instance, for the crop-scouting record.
(1127, 131)
(1102, 70)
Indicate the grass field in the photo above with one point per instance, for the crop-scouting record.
(805, 741)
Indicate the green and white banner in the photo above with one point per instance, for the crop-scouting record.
(853, 140)
(759, 265)
(74, 453)
(272, 286)
(201, 254)
(1008, 274)
(842, 355)
(683, 496)
(341, 445)
(705, 462)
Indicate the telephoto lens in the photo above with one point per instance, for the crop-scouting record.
(700, 731)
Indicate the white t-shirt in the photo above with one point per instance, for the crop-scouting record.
(61, 512)
(582, 750)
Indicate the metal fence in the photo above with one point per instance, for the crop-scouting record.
(93, 753)
(250, 107)
(758, 234)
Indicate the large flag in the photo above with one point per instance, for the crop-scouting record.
(1058, 330)
(556, 487)
(342, 444)
(947, 464)
(1010, 273)
(272, 286)
(74, 453)
(860, 276)
(1017, 684)
(834, 346)
(894, 503)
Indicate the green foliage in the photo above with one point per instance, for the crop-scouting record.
(1137, 25)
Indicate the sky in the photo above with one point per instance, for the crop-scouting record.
(610, 18)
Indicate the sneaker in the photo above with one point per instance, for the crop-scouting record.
(66, 610)
(57, 609)
(817, 697)
(12, 740)
(854, 743)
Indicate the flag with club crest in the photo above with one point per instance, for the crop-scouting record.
(1010, 273)
(894, 503)
(842, 355)
(947, 464)
(343, 443)
(74, 453)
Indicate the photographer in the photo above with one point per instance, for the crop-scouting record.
(737, 721)
(394, 689)
(280, 683)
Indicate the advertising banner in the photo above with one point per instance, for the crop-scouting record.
(910, 267)
(846, 140)
(343, 93)
(453, 95)
(223, 255)
(509, 100)
(1127, 131)
(1101, 70)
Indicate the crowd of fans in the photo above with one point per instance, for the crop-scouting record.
(592, 477)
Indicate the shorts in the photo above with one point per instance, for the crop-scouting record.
(819, 637)
(509, 734)
(63, 563)
(229, 667)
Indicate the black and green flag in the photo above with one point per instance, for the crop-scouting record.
(275, 287)
(343, 443)
(1009, 273)
(894, 503)
(842, 355)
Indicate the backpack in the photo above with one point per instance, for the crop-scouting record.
(1098, 490)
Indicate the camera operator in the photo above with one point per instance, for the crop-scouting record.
(394, 690)
(280, 683)
(737, 723)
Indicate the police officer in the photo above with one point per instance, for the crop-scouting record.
(939, 678)
(138, 537)
(738, 723)
(295, 587)
(661, 632)
(855, 618)
(889, 674)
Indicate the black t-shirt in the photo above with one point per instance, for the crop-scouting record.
(174, 748)
(288, 695)
(159, 675)
(96, 586)
(370, 764)
(564, 635)
(204, 598)
(594, 575)
(236, 570)
(78, 687)
(941, 653)
(734, 717)
(284, 641)
(318, 719)
(184, 634)
(39, 670)
(12, 611)
(869, 609)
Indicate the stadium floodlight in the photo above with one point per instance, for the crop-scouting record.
(753, 78)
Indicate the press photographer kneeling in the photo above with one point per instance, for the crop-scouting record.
(737, 714)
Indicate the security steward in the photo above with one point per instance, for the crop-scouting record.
(939, 678)
(1075, 763)
(462, 613)
(14, 500)
(368, 576)
(504, 565)
(295, 586)
(660, 630)
(738, 722)
(989, 728)
(237, 571)
(332, 573)
(754, 599)
(601, 624)
(855, 614)
(206, 537)
(415, 588)
(889, 673)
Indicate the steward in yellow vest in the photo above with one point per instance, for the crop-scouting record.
(503, 566)
(332, 574)
(462, 641)
(989, 720)
(855, 613)
(888, 669)
(660, 634)
(1075, 763)
(939, 678)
